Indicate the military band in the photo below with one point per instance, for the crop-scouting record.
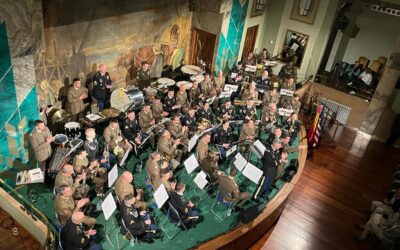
(158, 135)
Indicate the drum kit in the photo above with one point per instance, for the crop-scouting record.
(129, 98)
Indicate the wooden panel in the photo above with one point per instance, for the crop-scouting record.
(250, 40)
(202, 48)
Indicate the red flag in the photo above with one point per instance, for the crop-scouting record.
(315, 128)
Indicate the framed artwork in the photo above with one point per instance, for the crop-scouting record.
(258, 7)
(294, 47)
(305, 10)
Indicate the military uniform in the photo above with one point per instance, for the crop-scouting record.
(248, 111)
(41, 147)
(226, 113)
(207, 88)
(230, 190)
(268, 98)
(157, 109)
(219, 84)
(201, 150)
(296, 105)
(248, 94)
(286, 101)
(268, 119)
(293, 127)
(123, 188)
(194, 96)
(191, 123)
(111, 136)
(144, 122)
(247, 133)
(288, 72)
(97, 175)
(205, 114)
(180, 204)
(269, 167)
(166, 147)
(235, 70)
(75, 103)
(177, 132)
(168, 104)
(78, 190)
(131, 131)
(65, 206)
(210, 166)
(133, 222)
(100, 91)
(143, 79)
(153, 170)
(182, 101)
(73, 237)
(263, 83)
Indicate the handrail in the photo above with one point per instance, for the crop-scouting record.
(35, 213)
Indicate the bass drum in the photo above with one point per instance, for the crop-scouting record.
(124, 99)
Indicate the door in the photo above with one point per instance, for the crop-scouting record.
(250, 40)
(202, 48)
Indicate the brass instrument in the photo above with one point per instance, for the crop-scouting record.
(205, 124)
(117, 150)
(106, 153)
(166, 158)
(243, 102)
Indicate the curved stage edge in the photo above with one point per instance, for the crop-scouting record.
(246, 235)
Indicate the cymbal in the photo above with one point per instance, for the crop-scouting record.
(191, 69)
(187, 84)
(198, 78)
(110, 113)
(166, 81)
(60, 115)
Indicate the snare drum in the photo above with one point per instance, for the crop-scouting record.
(73, 130)
(75, 143)
(60, 139)
(136, 97)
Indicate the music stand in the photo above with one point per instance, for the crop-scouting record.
(108, 207)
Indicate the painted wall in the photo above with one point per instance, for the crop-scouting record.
(318, 32)
(377, 36)
(273, 18)
(231, 35)
(253, 21)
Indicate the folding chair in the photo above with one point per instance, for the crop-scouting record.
(166, 220)
(133, 239)
(219, 200)
(60, 247)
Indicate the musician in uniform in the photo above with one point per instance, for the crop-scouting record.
(64, 177)
(224, 138)
(65, 206)
(207, 87)
(114, 139)
(165, 178)
(74, 236)
(205, 112)
(143, 76)
(76, 95)
(219, 82)
(269, 117)
(190, 121)
(237, 70)
(264, 83)
(229, 189)
(296, 104)
(202, 147)
(250, 92)
(157, 109)
(137, 222)
(293, 125)
(153, 167)
(179, 132)
(271, 97)
(168, 147)
(288, 70)
(226, 112)
(182, 99)
(124, 186)
(185, 209)
(92, 169)
(101, 85)
(287, 100)
(286, 146)
(169, 103)
(40, 139)
(195, 95)
(276, 134)
(210, 165)
(271, 160)
(248, 111)
(91, 145)
(247, 133)
(238, 81)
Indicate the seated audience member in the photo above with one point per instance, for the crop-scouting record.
(65, 206)
(185, 209)
(364, 79)
(123, 186)
(388, 228)
(351, 73)
(389, 206)
(230, 190)
(136, 221)
(75, 236)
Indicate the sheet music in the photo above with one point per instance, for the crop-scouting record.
(124, 157)
(112, 175)
(240, 162)
(260, 147)
(270, 63)
(289, 92)
(225, 94)
(108, 206)
(288, 112)
(161, 196)
(252, 173)
(230, 88)
(234, 75)
(192, 142)
(200, 180)
(231, 150)
(281, 111)
(93, 117)
(283, 92)
(36, 175)
(191, 164)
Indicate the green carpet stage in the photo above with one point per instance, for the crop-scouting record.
(42, 197)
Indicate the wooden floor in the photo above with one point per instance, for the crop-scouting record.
(336, 187)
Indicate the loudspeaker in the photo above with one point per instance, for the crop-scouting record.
(248, 214)
(351, 30)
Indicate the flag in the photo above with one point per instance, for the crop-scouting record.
(315, 130)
